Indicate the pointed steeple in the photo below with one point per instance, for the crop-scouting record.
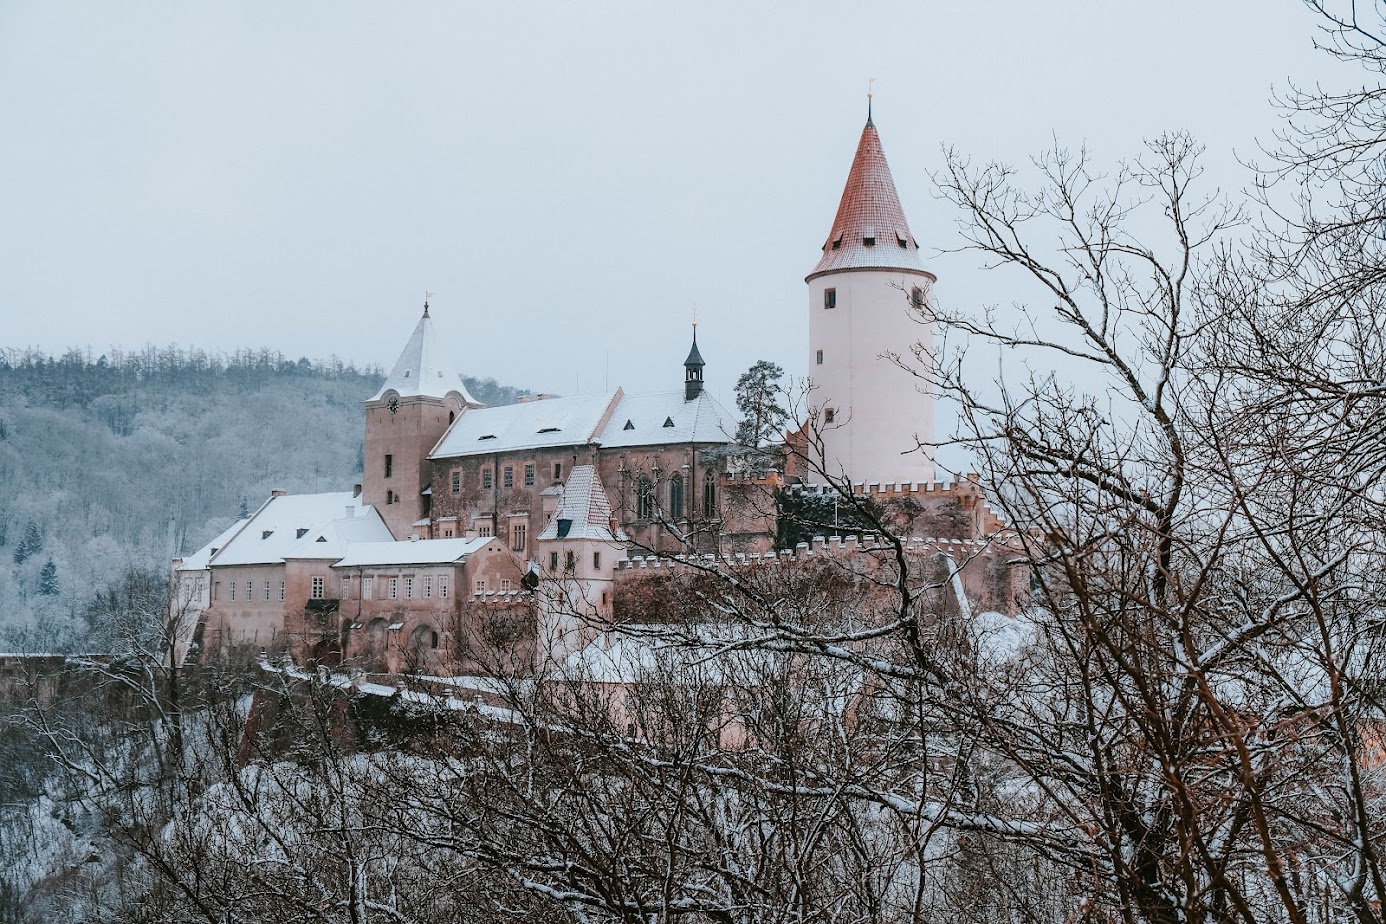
(423, 368)
(869, 231)
(693, 370)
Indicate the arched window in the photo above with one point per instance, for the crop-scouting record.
(676, 496)
(644, 499)
(710, 494)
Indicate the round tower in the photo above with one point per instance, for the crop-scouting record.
(867, 298)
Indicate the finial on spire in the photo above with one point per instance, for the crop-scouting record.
(427, 296)
(870, 92)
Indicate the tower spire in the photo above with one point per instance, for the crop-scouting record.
(693, 370)
(869, 230)
(870, 92)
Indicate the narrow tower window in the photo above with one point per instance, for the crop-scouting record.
(389, 465)
(917, 298)
(830, 298)
(820, 357)
(709, 495)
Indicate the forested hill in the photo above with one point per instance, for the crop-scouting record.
(113, 462)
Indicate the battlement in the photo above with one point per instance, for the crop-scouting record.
(828, 547)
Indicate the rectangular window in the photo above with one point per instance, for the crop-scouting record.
(281, 591)
(486, 478)
(505, 584)
(597, 561)
(529, 474)
(484, 530)
(829, 415)
(394, 588)
(409, 588)
(553, 561)
(508, 477)
(456, 482)
(830, 298)
(231, 591)
(570, 561)
(517, 536)
(317, 588)
(481, 587)
(389, 465)
(447, 533)
(443, 587)
(557, 471)
(267, 591)
(216, 587)
(820, 357)
(367, 588)
(428, 587)
(917, 298)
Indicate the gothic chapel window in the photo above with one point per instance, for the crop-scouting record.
(676, 496)
(710, 495)
(644, 499)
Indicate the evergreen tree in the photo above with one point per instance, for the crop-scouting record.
(48, 579)
(30, 545)
(757, 397)
(245, 509)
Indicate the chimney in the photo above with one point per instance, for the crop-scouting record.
(356, 490)
(278, 493)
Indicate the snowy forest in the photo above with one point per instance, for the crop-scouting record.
(115, 462)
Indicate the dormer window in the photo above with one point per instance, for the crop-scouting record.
(489, 436)
(548, 429)
(266, 534)
(301, 534)
(322, 539)
(628, 426)
(868, 237)
(668, 421)
(900, 238)
(406, 373)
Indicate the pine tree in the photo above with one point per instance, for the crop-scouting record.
(245, 509)
(757, 396)
(48, 579)
(30, 545)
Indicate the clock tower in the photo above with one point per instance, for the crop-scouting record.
(420, 399)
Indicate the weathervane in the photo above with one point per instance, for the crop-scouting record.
(427, 296)
(870, 92)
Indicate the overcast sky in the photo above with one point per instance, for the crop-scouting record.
(570, 179)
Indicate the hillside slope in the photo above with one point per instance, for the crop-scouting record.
(120, 461)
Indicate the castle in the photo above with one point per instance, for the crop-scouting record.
(512, 530)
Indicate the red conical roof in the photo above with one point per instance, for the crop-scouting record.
(870, 230)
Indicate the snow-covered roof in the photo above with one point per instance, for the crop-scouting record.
(869, 211)
(418, 552)
(302, 526)
(529, 425)
(197, 561)
(423, 368)
(584, 512)
(665, 417)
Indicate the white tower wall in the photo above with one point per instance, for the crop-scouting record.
(880, 412)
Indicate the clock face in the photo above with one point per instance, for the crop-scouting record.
(392, 405)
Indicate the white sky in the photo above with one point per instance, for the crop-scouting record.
(570, 179)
